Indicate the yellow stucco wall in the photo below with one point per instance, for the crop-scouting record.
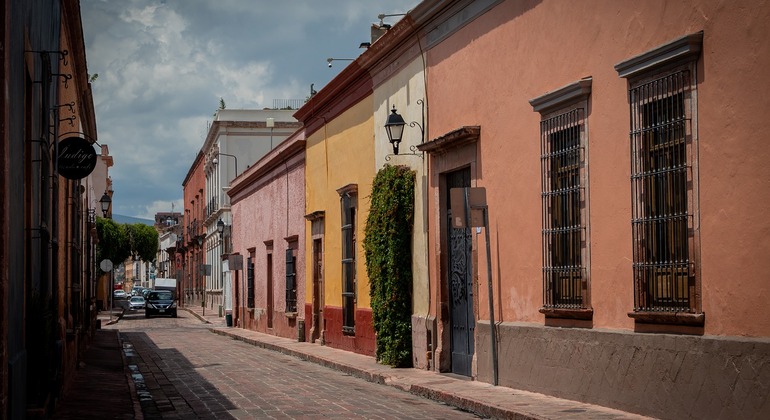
(340, 153)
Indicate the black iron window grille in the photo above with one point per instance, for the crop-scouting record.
(250, 282)
(291, 280)
(348, 209)
(662, 193)
(563, 201)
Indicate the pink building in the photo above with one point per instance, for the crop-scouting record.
(268, 207)
(621, 147)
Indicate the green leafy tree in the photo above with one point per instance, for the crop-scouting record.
(144, 240)
(113, 241)
(117, 242)
(388, 251)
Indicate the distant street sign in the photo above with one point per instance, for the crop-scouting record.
(106, 265)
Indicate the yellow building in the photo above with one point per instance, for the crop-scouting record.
(339, 173)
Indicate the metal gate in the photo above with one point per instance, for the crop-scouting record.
(460, 283)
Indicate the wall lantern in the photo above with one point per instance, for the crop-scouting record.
(394, 126)
(220, 227)
(105, 202)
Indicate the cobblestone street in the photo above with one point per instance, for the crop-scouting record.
(182, 370)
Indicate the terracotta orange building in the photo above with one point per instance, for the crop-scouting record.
(620, 148)
(192, 280)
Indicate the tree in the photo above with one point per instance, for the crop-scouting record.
(113, 242)
(117, 242)
(144, 241)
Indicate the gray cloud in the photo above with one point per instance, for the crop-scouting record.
(164, 64)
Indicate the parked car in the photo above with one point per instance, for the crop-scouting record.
(119, 294)
(136, 302)
(160, 302)
(137, 291)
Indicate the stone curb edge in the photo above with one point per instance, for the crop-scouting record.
(138, 413)
(200, 318)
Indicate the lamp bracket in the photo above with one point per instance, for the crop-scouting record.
(70, 105)
(62, 54)
(412, 148)
(66, 76)
(70, 119)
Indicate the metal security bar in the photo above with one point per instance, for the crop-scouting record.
(562, 164)
(291, 281)
(250, 282)
(661, 189)
(348, 263)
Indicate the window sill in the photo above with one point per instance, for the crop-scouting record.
(583, 314)
(677, 318)
(291, 315)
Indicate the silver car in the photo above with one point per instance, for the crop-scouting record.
(136, 302)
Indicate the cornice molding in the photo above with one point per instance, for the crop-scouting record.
(563, 96)
(678, 51)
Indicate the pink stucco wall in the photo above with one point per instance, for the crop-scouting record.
(268, 214)
(485, 73)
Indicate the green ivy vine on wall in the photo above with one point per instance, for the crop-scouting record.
(388, 251)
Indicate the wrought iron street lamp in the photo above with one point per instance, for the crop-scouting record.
(106, 203)
(220, 227)
(394, 126)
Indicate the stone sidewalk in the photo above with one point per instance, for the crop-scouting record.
(478, 397)
(101, 387)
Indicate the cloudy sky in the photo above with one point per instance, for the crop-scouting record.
(163, 65)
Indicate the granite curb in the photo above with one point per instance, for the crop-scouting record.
(138, 413)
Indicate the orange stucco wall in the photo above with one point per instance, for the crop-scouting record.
(485, 73)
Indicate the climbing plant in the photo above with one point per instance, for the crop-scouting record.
(388, 251)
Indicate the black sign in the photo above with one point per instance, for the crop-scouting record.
(77, 158)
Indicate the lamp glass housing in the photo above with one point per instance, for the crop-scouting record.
(105, 202)
(395, 128)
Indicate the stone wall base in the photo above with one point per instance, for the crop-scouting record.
(661, 375)
(423, 341)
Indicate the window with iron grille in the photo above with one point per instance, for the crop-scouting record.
(564, 181)
(660, 179)
(291, 280)
(563, 203)
(250, 282)
(348, 203)
(662, 97)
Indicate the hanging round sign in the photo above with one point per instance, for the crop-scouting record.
(77, 158)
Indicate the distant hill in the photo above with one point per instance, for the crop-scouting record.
(119, 218)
